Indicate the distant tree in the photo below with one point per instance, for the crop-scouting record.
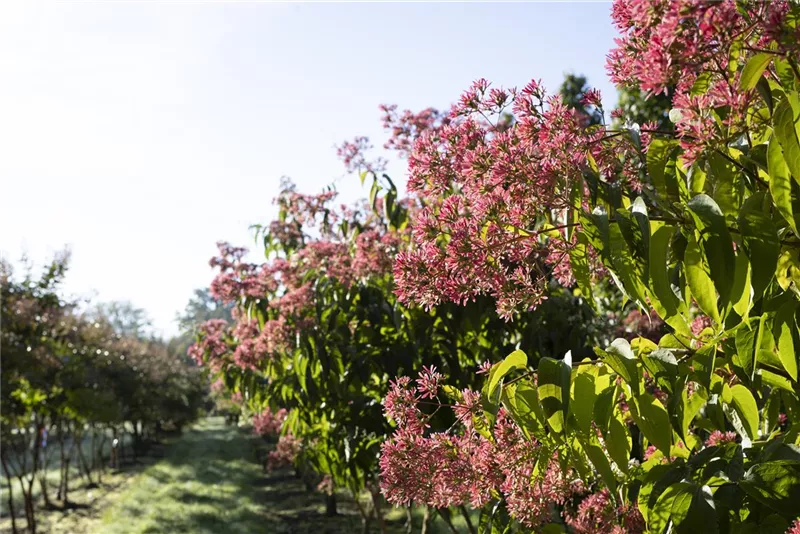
(125, 318)
(573, 90)
(201, 308)
(640, 108)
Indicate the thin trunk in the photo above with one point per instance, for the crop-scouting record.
(11, 513)
(465, 513)
(70, 454)
(29, 510)
(135, 441)
(330, 505)
(63, 460)
(21, 480)
(92, 447)
(84, 463)
(115, 446)
(426, 517)
(43, 475)
(365, 517)
(100, 460)
(376, 504)
(445, 514)
(43, 487)
(409, 520)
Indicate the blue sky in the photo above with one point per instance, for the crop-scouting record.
(140, 134)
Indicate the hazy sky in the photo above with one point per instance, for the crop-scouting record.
(140, 134)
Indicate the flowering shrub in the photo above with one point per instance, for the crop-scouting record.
(687, 422)
(285, 452)
(673, 431)
(269, 424)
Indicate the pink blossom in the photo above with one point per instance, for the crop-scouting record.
(268, 423)
(597, 514)
(718, 437)
(285, 453)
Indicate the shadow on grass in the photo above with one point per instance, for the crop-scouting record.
(210, 482)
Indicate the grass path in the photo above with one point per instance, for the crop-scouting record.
(207, 481)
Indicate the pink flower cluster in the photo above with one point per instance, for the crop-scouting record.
(269, 423)
(451, 468)
(406, 126)
(700, 323)
(353, 155)
(310, 241)
(285, 452)
(662, 39)
(487, 182)
(794, 528)
(326, 485)
(668, 45)
(718, 437)
(211, 345)
(597, 514)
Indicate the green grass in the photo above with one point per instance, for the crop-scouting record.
(209, 482)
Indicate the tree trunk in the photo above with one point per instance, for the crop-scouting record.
(84, 464)
(426, 517)
(29, 512)
(376, 504)
(330, 505)
(445, 514)
(465, 513)
(10, 492)
(70, 454)
(37, 451)
(43, 487)
(62, 460)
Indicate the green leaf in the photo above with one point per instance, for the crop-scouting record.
(662, 366)
(701, 515)
(658, 155)
(579, 261)
(618, 440)
(583, 400)
(659, 261)
(716, 242)
(724, 183)
(782, 328)
(673, 504)
(785, 132)
(747, 342)
(742, 291)
(653, 420)
(700, 283)
(600, 462)
(762, 85)
(745, 405)
(753, 69)
(761, 243)
(775, 484)
(658, 479)
(703, 362)
(621, 359)
(780, 184)
(553, 379)
(522, 401)
(515, 360)
(701, 84)
(627, 267)
(689, 408)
